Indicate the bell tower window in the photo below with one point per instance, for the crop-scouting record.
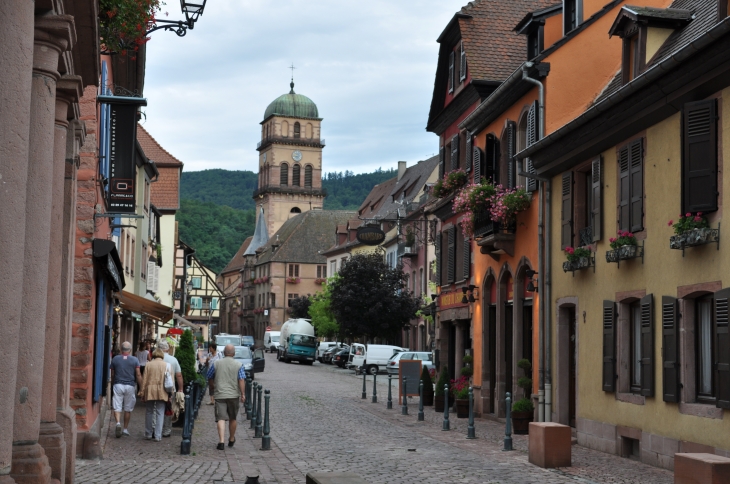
(297, 130)
(284, 176)
(296, 176)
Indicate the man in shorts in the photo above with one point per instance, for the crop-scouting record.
(125, 375)
(228, 380)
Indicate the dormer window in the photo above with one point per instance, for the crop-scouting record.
(451, 72)
(572, 14)
(533, 26)
(534, 43)
(462, 63)
(633, 60)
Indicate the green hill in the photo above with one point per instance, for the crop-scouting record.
(217, 212)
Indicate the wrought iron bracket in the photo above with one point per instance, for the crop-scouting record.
(592, 262)
(180, 27)
(713, 237)
(615, 255)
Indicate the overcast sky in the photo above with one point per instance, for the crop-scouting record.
(369, 67)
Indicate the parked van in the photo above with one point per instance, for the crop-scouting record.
(323, 346)
(372, 358)
(271, 340)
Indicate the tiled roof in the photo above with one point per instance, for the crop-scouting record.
(304, 236)
(413, 180)
(376, 198)
(237, 262)
(493, 49)
(660, 13)
(165, 192)
(154, 151)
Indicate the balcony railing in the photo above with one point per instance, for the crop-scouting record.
(485, 226)
(299, 141)
(290, 190)
(406, 251)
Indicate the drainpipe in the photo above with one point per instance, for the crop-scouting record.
(543, 263)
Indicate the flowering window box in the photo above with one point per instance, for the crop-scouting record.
(320, 280)
(581, 263)
(695, 237)
(293, 280)
(625, 252)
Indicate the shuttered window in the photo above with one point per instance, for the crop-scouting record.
(510, 140)
(296, 175)
(468, 153)
(458, 253)
(284, 176)
(450, 268)
(531, 138)
(670, 350)
(308, 176)
(455, 152)
(596, 199)
(451, 71)
(491, 162)
(699, 159)
(439, 258)
(297, 130)
(609, 346)
(566, 211)
(631, 186)
(722, 348)
(478, 160)
(462, 63)
(467, 260)
(647, 345)
(442, 160)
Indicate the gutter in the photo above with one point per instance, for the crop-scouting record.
(649, 77)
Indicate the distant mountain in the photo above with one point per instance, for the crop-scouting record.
(217, 212)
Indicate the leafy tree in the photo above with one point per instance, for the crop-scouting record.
(371, 299)
(185, 355)
(300, 307)
(320, 311)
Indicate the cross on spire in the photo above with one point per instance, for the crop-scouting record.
(291, 84)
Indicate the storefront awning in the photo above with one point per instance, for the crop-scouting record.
(105, 252)
(139, 304)
(184, 322)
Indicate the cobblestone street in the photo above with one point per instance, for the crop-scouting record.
(320, 423)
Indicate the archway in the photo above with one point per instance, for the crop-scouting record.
(489, 342)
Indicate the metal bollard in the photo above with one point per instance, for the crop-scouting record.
(364, 390)
(447, 424)
(266, 439)
(259, 417)
(421, 417)
(470, 428)
(375, 390)
(390, 397)
(187, 431)
(247, 405)
(253, 406)
(508, 429)
(404, 408)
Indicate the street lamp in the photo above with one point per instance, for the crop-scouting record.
(192, 11)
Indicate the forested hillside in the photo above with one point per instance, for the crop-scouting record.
(217, 211)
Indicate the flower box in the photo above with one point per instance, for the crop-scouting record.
(625, 252)
(320, 280)
(293, 280)
(581, 263)
(694, 238)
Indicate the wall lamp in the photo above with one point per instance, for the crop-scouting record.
(192, 10)
(529, 273)
(472, 291)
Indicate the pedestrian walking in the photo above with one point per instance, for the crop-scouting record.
(228, 378)
(177, 373)
(154, 395)
(125, 376)
(212, 356)
(143, 355)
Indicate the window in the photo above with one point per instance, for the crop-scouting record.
(451, 71)
(535, 41)
(196, 302)
(290, 298)
(507, 144)
(196, 282)
(295, 176)
(146, 195)
(297, 130)
(293, 270)
(273, 300)
(704, 351)
(633, 59)
(321, 272)
(572, 14)
(206, 303)
(131, 257)
(448, 256)
(333, 267)
(486, 163)
(308, 176)
(421, 282)
(631, 186)
(699, 157)
(462, 63)
(295, 210)
(342, 262)
(284, 176)
(635, 336)
(582, 210)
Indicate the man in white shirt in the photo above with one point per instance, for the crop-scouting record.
(175, 366)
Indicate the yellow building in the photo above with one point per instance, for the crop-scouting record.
(639, 352)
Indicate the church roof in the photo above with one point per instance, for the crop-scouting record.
(237, 262)
(292, 105)
(260, 235)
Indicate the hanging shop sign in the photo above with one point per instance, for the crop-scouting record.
(449, 299)
(370, 235)
(122, 144)
(105, 252)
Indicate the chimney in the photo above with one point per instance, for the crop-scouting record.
(401, 169)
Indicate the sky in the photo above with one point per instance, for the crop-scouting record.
(369, 67)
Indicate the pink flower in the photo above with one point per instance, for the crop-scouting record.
(699, 214)
(612, 239)
(629, 234)
(698, 219)
(688, 214)
(671, 222)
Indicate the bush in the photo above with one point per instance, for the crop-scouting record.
(468, 360)
(525, 383)
(524, 364)
(443, 380)
(467, 371)
(185, 355)
(427, 382)
(523, 405)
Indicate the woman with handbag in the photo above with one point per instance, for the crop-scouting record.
(155, 394)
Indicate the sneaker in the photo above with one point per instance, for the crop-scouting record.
(148, 437)
(125, 432)
(168, 435)
(118, 431)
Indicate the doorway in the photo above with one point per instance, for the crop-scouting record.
(508, 349)
(492, 325)
(452, 350)
(572, 367)
(565, 404)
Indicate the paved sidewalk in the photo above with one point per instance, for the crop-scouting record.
(320, 423)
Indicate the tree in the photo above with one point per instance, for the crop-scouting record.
(185, 355)
(300, 307)
(371, 299)
(320, 311)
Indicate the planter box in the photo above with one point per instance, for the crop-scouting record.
(695, 237)
(521, 422)
(624, 253)
(576, 265)
(438, 403)
(462, 408)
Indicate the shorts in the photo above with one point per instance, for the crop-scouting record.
(124, 397)
(226, 408)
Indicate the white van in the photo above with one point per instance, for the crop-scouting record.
(372, 358)
(271, 341)
(323, 346)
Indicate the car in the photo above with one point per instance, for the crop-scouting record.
(425, 357)
(253, 361)
(330, 353)
(341, 357)
(323, 346)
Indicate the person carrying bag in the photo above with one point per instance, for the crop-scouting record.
(155, 393)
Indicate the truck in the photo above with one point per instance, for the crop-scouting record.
(372, 358)
(297, 342)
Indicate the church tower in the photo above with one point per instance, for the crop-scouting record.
(290, 160)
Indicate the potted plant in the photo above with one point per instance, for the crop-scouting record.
(460, 391)
(506, 203)
(523, 414)
(690, 230)
(427, 387)
(625, 244)
(438, 402)
(450, 182)
(468, 370)
(578, 258)
(410, 237)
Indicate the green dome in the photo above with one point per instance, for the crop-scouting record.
(293, 105)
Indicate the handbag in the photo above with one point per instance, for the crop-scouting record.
(169, 382)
